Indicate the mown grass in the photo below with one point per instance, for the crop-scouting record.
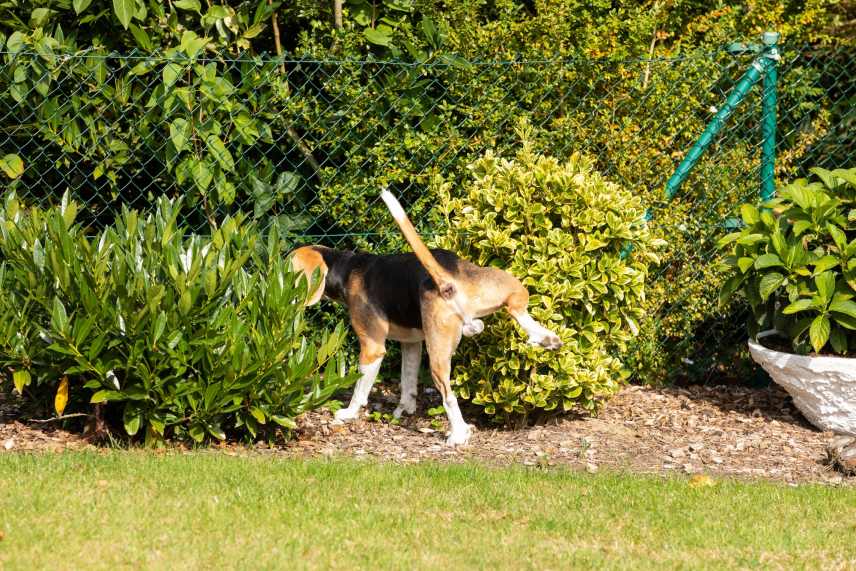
(211, 511)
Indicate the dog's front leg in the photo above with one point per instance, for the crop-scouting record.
(371, 330)
(372, 350)
(368, 374)
(411, 354)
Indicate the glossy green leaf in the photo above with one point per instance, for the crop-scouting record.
(284, 421)
(59, 317)
(141, 37)
(189, 5)
(825, 285)
(201, 173)
(171, 72)
(80, 5)
(39, 17)
(819, 332)
(132, 419)
(838, 236)
(258, 414)
(217, 432)
(12, 166)
(750, 214)
(220, 153)
(197, 432)
(770, 283)
(381, 36)
(825, 263)
(767, 261)
(191, 43)
(799, 305)
(124, 10)
(180, 133)
(845, 307)
(838, 340)
(745, 264)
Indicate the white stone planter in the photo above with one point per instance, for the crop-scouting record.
(823, 388)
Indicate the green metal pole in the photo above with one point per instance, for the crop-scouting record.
(768, 118)
(752, 75)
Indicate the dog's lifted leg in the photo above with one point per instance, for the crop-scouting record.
(411, 355)
(538, 334)
(371, 356)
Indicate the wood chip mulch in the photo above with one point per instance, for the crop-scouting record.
(717, 430)
(726, 431)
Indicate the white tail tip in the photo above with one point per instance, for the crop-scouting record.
(394, 206)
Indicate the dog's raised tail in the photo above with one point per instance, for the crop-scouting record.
(438, 274)
(445, 285)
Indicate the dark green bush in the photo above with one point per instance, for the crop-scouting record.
(174, 331)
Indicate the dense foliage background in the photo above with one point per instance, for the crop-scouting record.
(123, 101)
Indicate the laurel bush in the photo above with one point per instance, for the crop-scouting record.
(178, 335)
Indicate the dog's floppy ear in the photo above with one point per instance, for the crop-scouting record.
(307, 260)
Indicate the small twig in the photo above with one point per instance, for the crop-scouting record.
(209, 212)
(648, 63)
(62, 417)
(277, 42)
(307, 153)
(655, 10)
(292, 134)
(337, 23)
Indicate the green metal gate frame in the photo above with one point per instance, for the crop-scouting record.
(764, 64)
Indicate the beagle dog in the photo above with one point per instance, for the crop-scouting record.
(428, 295)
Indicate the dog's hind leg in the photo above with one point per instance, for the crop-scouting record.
(372, 335)
(411, 355)
(442, 329)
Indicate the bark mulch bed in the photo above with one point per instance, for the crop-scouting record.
(717, 430)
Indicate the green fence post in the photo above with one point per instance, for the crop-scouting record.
(752, 75)
(768, 120)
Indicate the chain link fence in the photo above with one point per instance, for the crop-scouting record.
(304, 145)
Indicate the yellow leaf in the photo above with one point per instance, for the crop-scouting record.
(21, 379)
(701, 481)
(61, 398)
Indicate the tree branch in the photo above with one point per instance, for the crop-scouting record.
(292, 133)
(337, 14)
(61, 417)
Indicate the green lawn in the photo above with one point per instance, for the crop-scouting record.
(212, 511)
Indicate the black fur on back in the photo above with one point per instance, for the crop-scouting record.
(393, 282)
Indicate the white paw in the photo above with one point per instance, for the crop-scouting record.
(345, 414)
(404, 408)
(460, 437)
(548, 340)
(473, 327)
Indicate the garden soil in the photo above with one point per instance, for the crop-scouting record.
(723, 431)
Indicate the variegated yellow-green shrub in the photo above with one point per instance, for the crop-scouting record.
(580, 245)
